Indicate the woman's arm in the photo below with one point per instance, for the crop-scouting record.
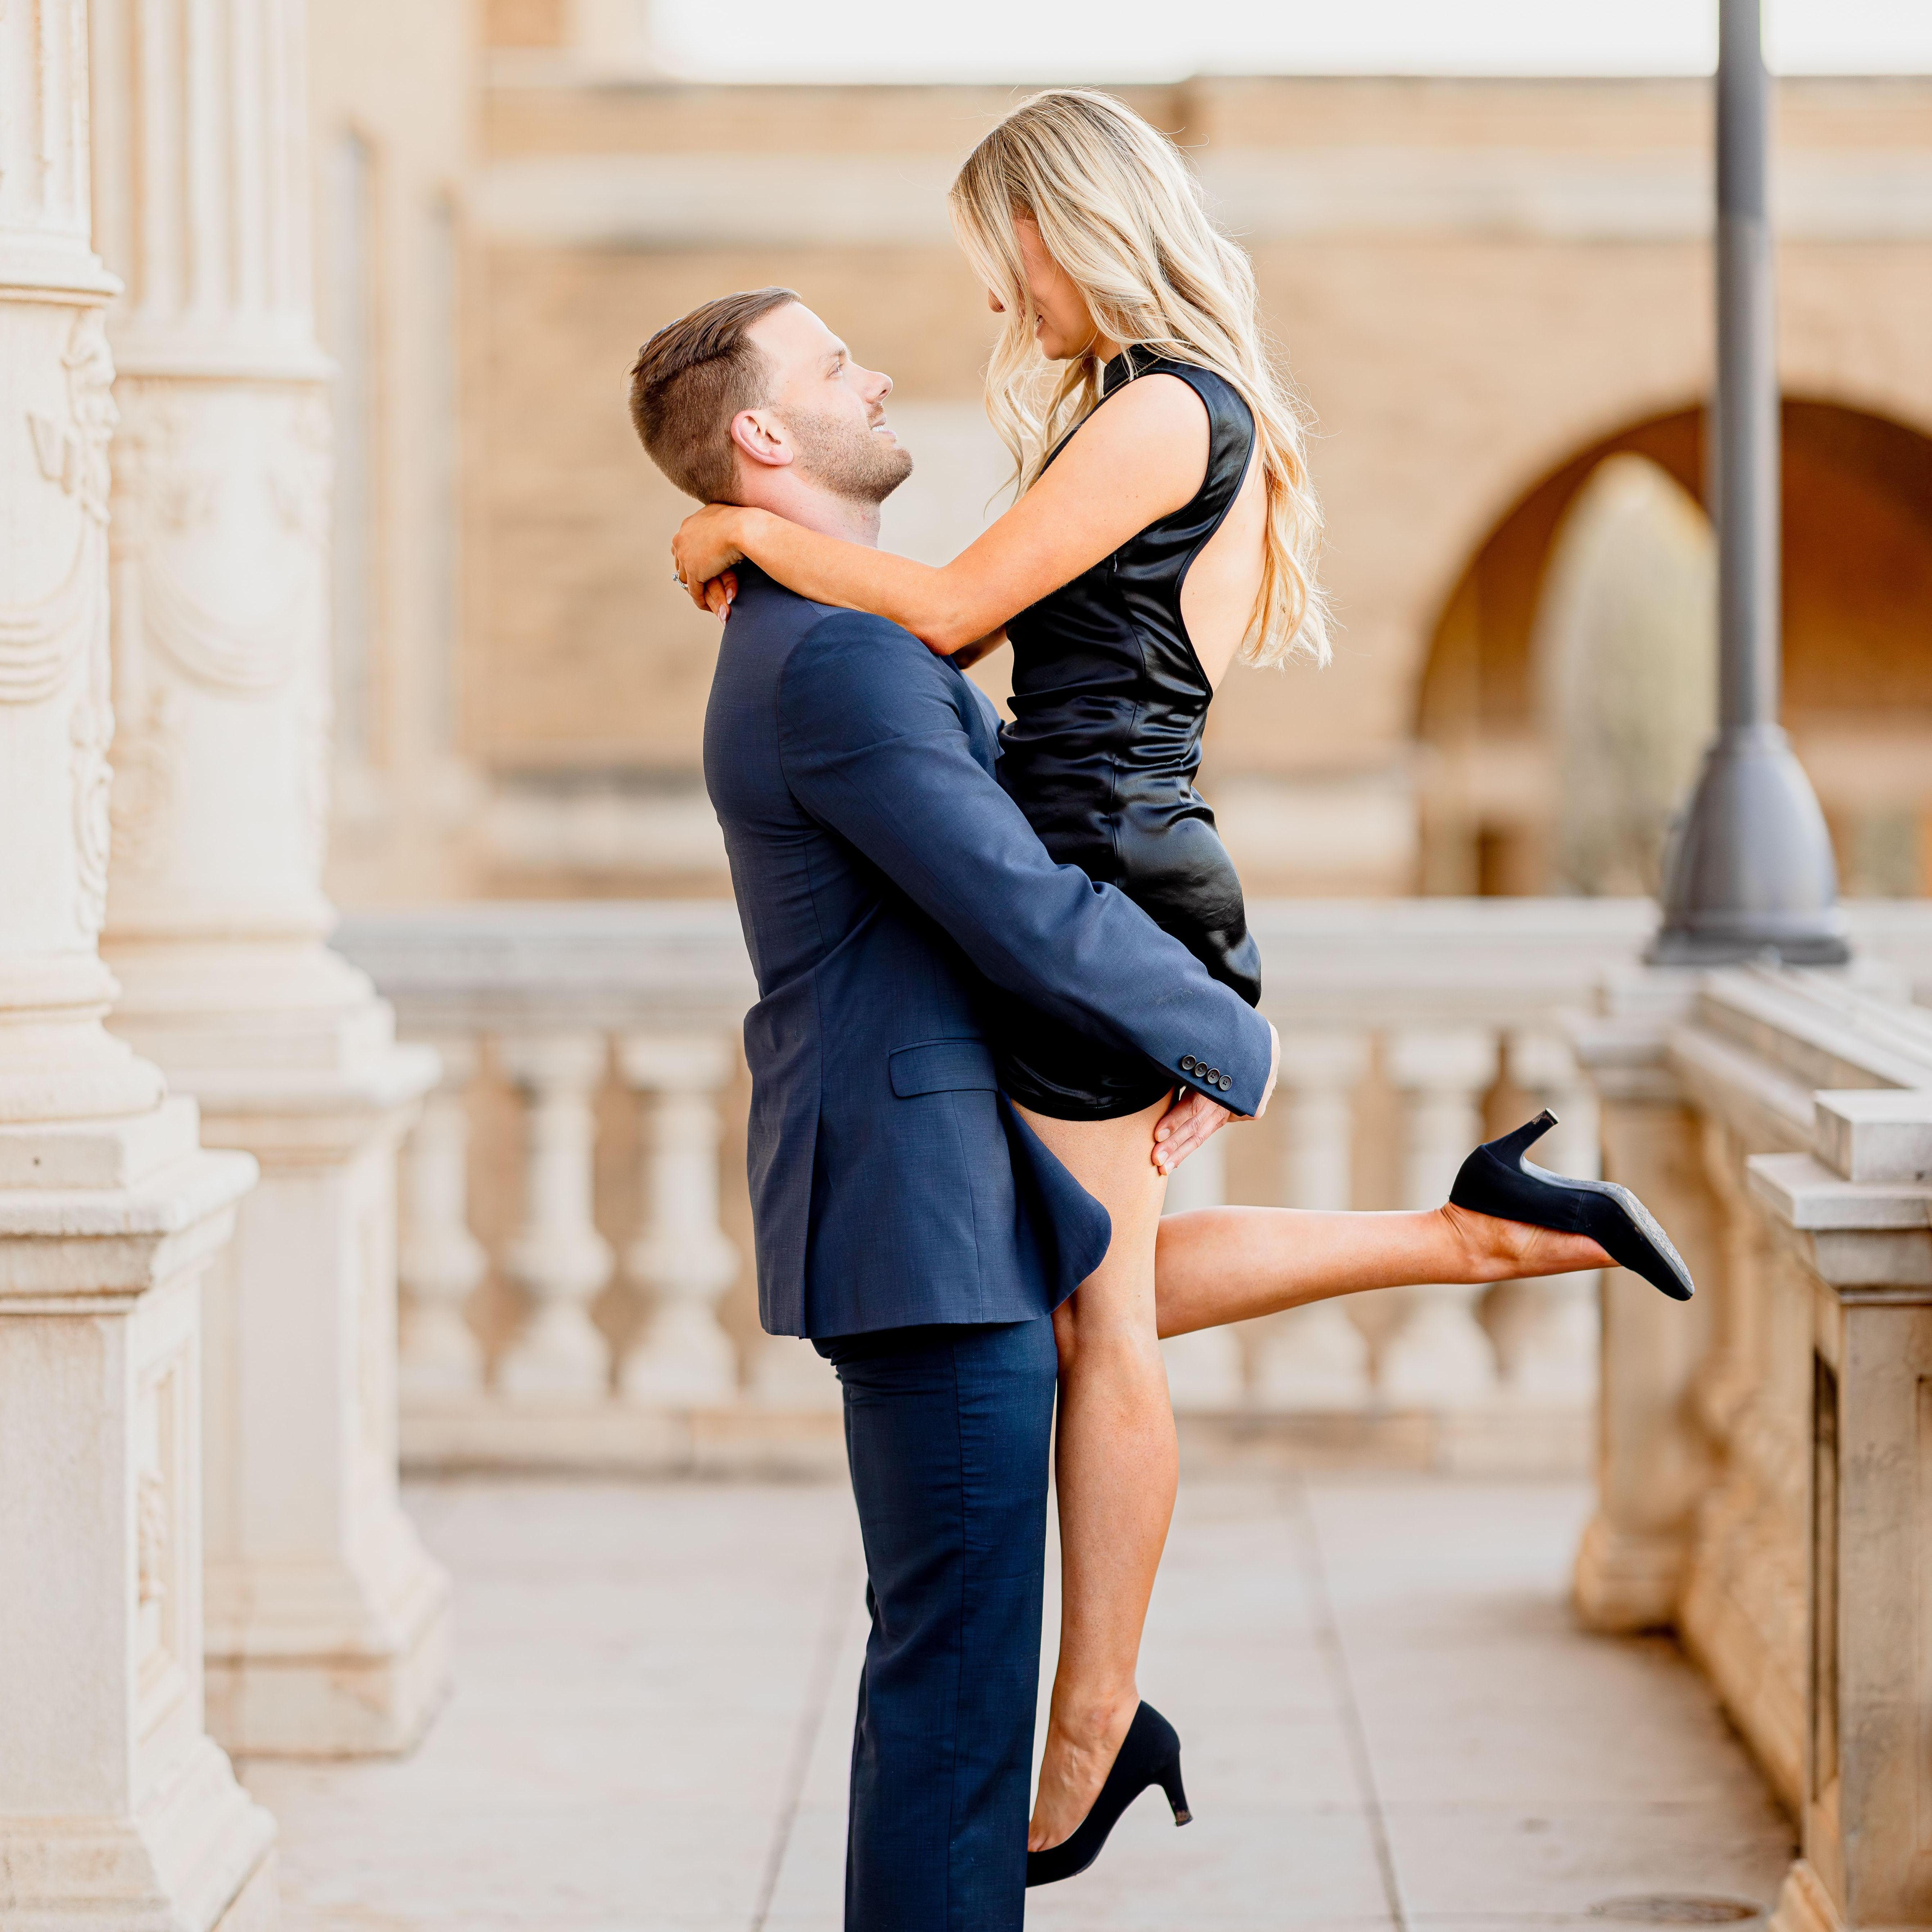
(1138, 458)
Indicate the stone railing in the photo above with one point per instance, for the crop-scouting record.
(573, 1271)
(1766, 1478)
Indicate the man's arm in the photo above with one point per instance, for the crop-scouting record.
(873, 740)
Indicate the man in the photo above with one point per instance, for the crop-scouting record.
(906, 1218)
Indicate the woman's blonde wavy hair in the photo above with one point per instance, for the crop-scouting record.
(1121, 213)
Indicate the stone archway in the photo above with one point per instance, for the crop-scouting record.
(1857, 671)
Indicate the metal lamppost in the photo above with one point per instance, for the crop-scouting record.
(1750, 868)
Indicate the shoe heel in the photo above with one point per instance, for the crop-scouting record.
(1511, 1148)
(1177, 1796)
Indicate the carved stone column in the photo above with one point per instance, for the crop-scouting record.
(1441, 1354)
(1316, 1357)
(117, 1813)
(682, 1260)
(326, 1619)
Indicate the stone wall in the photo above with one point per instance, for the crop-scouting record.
(1471, 282)
(1765, 1451)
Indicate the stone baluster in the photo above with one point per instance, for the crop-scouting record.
(1316, 1357)
(1440, 1356)
(681, 1261)
(1204, 1370)
(327, 1622)
(1654, 1458)
(788, 1373)
(117, 1809)
(440, 1263)
(557, 1256)
(1546, 1331)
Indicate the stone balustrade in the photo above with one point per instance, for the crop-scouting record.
(574, 1258)
(1767, 1451)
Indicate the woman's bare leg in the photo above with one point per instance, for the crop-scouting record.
(1115, 1462)
(1221, 1264)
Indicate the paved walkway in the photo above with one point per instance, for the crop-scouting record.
(1390, 1724)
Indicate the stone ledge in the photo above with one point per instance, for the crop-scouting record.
(61, 1249)
(474, 1435)
(1805, 1194)
(482, 1435)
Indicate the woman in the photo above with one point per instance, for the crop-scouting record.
(1164, 525)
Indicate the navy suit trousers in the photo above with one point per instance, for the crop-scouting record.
(947, 1431)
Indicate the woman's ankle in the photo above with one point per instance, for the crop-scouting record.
(1474, 1243)
(1090, 1721)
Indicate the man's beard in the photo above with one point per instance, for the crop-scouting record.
(846, 459)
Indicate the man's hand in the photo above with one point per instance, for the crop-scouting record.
(1185, 1126)
(1188, 1124)
(705, 547)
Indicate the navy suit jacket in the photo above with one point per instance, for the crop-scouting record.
(882, 877)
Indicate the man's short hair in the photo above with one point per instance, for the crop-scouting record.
(689, 381)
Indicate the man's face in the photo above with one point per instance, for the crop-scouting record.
(831, 412)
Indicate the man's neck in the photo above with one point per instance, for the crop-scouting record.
(799, 502)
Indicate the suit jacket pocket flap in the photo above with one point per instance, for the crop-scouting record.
(942, 1067)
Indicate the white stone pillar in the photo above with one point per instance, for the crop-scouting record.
(117, 1813)
(557, 1256)
(681, 1261)
(1546, 1331)
(1204, 1370)
(326, 1619)
(1440, 1356)
(1316, 1357)
(441, 1263)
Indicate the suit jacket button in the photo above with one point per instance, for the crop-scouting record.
(1188, 1063)
(1227, 1081)
(1214, 1075)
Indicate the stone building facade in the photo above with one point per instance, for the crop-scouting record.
(1481, 288)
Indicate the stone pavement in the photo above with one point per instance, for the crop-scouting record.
(1390, 1722)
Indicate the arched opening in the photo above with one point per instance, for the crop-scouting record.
(1857, 655)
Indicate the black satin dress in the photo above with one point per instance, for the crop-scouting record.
(1108, 705)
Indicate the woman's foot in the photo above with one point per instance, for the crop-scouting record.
(1074, 1766)
(1499, 1180)
(1149, 1755)
(1500, 1250)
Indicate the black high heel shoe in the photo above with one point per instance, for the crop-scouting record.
(1496, 1180)
(1150, 1754)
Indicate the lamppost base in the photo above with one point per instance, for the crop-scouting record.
(1710, 949)
(1751, 870)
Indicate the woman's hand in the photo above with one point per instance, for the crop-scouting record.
(705, 547)
(719, 595)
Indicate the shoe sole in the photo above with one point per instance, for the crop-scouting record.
(1642, 1223)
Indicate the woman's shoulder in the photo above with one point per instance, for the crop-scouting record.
(1166, 389)
(1160, 401)
(1215, 392)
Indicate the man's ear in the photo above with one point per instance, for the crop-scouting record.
(759, 436)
